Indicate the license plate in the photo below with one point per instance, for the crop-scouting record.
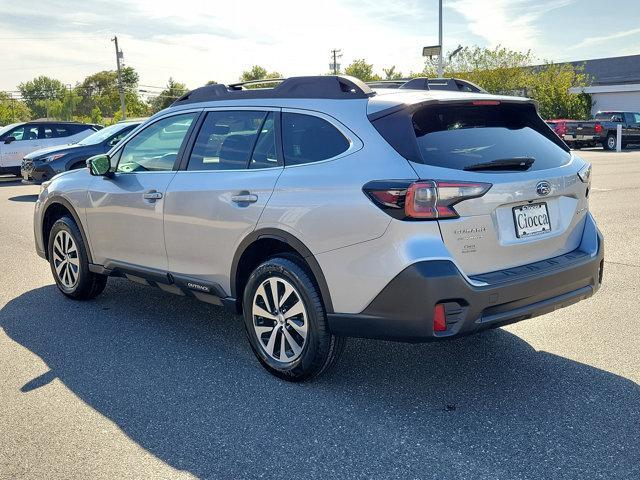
(531, 219)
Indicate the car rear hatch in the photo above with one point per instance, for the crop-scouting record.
(534, 204)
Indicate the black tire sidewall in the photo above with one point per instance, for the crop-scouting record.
(318, 341)
(69, 225)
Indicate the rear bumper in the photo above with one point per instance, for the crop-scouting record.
(403, 310)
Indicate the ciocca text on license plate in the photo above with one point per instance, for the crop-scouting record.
(531, 219)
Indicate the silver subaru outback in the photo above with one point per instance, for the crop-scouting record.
(320, 209)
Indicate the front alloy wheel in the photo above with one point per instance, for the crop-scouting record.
(65, 259)
(69, 261)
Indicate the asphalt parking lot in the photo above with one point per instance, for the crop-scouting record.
(142, 384)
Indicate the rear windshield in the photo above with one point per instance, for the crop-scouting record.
(459, 136)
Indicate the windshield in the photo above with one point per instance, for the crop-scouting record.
(101, 135)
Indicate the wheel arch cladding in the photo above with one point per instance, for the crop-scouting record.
(262, 244)
(56, 208)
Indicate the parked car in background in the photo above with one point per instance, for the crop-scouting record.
(325, 210)
(43, 164)
(602, 130)
(20, 139)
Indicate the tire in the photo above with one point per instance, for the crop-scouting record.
(317, 349)
(70, 264)
(611, 142)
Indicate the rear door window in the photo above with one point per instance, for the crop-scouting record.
(307, 138)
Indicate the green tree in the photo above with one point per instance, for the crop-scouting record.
(41, 93)
(101, 90)
(361, 69)
(498, 70)
(258, 73)
(12, 110)
(211, 82)
(549, 86)
(170, 94)
(391, 74)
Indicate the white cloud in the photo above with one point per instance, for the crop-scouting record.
(510, 23)
(590, 41)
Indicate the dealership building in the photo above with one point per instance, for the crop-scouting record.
(615, 83)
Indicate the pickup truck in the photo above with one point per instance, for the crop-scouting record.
(602, 130)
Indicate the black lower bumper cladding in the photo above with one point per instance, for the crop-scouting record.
(404, 309)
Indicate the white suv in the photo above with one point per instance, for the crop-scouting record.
(321, 209)
(20, 139)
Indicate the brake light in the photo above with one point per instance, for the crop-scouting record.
(479, 103)
(423, 199)
(597, 128)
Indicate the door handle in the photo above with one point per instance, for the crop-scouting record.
(152, 195)
(245, 198)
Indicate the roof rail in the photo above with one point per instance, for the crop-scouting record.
(262, 81)
(424, 83)
(453, 84)
(338, 87)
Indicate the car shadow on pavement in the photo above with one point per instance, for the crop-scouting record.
(24, 198)
(178, 377)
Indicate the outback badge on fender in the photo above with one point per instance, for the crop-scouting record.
(543, 188)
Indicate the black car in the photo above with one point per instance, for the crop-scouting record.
(43, 164)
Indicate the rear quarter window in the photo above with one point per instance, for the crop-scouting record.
(307, 139)
(460, 135)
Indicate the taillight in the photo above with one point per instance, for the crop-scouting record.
(422, 199)
(597, 128)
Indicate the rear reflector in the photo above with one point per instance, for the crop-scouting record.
(439, 318)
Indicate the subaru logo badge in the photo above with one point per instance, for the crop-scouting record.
(543, 188)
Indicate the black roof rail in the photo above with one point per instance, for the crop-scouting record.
(338, 87)
(452, 84)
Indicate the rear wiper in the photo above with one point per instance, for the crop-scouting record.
(516, 163)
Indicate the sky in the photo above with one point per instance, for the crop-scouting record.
(196, 41)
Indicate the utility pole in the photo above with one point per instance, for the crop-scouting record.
(440, 69)
(335, 66)
(119, 57)
(70, 105)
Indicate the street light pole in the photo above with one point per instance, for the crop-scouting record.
(440, 69)
(123, 105)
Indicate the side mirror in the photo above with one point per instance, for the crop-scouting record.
(99, 165)
(9, 139)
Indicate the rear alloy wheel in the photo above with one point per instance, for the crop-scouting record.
(70, 263)
(286, 321)
(611, 142)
